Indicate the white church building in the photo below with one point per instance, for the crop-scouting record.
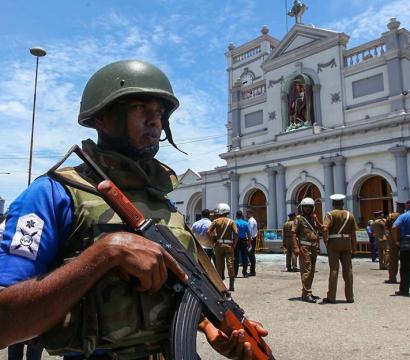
(309, 117)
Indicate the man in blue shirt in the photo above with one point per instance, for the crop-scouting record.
(244, 243)
(401, 236)
(200, 229)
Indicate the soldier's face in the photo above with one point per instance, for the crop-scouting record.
(144, 124)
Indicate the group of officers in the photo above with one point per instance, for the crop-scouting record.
(301, 239)
(228, 241)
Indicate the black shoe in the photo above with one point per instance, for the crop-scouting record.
(295, 270)
(390, 281)
(252, 274)
(401, 293)
(245, 275)
(328, 301)
(309, 299)
(231, 284)
(315, 297)
(351, 301)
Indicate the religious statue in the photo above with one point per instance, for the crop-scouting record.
(300, 105)
(298, 9)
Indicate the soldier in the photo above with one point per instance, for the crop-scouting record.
(305, 239)
(226, 234)
(63, 246)
(339, 236)
(291, 259)
(393, 248)
(379, 231)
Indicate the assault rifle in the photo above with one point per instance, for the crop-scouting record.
(199, 295)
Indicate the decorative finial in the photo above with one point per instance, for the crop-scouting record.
(393, 24)
(264, 29)
(231, 47)
(298, 9)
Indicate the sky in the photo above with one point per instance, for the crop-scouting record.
(186, 39)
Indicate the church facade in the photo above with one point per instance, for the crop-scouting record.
(309, 117)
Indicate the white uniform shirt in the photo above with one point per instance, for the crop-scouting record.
(253, 227)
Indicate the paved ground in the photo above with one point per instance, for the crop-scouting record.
(376, 326)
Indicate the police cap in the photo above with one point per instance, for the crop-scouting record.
(337, 197)
(291, 214)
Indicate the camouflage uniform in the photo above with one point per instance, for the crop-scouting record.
(379, 231)
(393, 248)
(340, 225)
(113, 315)
(306, 231)
(291, 259)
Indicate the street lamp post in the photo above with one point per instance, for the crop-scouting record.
(37, 52)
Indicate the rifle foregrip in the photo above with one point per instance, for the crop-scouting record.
(260, 349)
(121, 204)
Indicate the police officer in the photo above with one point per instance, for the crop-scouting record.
(225, 232)
(339, 236)
(64, 246)
(393, 248)
(401, 236)
(291, 259)
(379, 231)
(305, 239)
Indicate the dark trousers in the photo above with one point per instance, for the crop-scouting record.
(15, 352)
(251, 255)
(373, 248)
(404, 271)
(241, 252)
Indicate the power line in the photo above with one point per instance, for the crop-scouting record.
(43, 156)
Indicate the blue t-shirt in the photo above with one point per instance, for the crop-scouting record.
(39, 220)
(403, 223)
(243, 230)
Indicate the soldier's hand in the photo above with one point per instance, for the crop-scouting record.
(143, 259)
(233, 347)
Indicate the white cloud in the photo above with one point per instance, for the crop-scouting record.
(62, 76)
(372, 22)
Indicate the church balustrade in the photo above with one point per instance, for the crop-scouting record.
(253, 91)
(360, 54)
(247, 54)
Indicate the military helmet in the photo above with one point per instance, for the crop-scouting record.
(222, 209)
(121, 79)
(307, 202)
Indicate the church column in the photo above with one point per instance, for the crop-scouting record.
(234, 193)
(402, 176)
(203, 197)
(227, 185)
(236, 115)
(317, 108)
(272, 209)
(329, 185)
(281, 194)
(340, 174)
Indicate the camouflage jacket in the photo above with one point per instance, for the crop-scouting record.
(113, 315)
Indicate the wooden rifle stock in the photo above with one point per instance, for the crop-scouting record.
(230, 322)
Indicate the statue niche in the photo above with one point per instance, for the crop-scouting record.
(300, 108)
